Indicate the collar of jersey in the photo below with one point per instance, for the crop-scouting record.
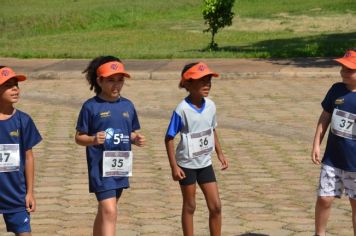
(200, 110)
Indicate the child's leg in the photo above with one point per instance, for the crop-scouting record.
(211, 194)
(353, 206)
(105, 220)
(188, 193)
(322, 213)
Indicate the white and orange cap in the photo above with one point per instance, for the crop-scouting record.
(7, 73)
(348, 60)
(198, 71)
(111, 68)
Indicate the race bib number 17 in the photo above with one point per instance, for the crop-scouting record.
(9, 157)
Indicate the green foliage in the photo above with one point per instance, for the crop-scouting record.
(217, 14)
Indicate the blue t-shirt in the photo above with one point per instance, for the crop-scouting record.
(118, 119)
(340, 152)
(19, 129)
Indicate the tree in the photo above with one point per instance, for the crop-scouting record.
(217, 14)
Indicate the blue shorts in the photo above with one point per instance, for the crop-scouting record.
(108, 194)
(18, 222)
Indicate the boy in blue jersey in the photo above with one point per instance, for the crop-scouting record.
(18, 135)
(195, 119)
(107, 126)
(338, 168)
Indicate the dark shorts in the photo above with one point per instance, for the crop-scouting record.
(202, 176)
(18, 222)
(108, 194)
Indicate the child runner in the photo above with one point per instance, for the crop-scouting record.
(107, 126)
(338, 168)
(18, 135)
(195, 119)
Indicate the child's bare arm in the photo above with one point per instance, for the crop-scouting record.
(177, 172)
(322, 126)
(86, 140)
(30, 178)
(219, 153)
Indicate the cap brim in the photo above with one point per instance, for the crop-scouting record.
(346, 63)
(122, 73)
(201, 75)
(20, 77)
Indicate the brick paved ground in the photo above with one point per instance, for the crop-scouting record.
(266, 127)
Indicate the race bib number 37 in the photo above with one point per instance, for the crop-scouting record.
(117, 163)
(9, 157)
(201, 143)
(343, 124)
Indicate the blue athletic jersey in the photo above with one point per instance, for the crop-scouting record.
(188, 119)
(118, 119)
(340, 152)
(19, 129)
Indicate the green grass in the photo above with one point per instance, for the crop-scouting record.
(163, 29)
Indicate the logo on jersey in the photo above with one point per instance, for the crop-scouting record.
(14, 133)
(105, 114)
(339, 101)
(115, 137)
(126, 114)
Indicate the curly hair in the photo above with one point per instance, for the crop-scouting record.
(90, 71)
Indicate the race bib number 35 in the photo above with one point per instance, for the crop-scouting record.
(343, 124)
(201, 143)
(117, 163)
(9, 157)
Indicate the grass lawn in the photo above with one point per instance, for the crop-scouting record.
(174, 29)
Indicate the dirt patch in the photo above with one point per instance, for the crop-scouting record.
(285, 22)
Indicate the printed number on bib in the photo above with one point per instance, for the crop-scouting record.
(343, 124)
(201, 143)
(9, 157)
(117, 163)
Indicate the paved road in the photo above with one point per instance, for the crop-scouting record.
(266, 125)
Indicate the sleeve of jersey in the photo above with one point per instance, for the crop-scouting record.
(31, 134)
(175, 125)
(83, 120)
(135, 122)
(327, 103)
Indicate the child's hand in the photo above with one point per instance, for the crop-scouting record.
(30, 203)
(99, 138)
(139, 140)
(315, 155)
(177, 173)
(224, 162)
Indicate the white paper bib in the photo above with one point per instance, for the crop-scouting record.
(201, 143)
(117, 163)
(9, 157)
(343, 124)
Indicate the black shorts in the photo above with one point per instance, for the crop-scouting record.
(202, 176)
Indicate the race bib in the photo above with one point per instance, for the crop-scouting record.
(117, 163)
(343, 124)
(9, 157)
(201, 143)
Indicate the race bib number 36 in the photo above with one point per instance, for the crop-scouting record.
(201, 143)
(117, 163)
(9, 157)
(343, 124)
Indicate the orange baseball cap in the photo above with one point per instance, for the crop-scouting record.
(198, 71)
(349, 59)
(111, 68)
(7, 73)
